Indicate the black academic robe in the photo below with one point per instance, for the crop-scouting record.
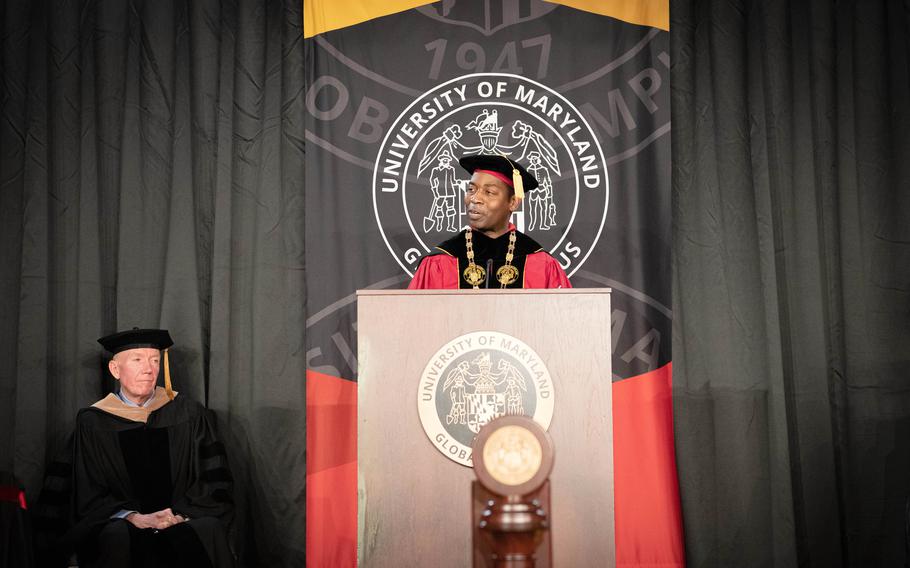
(133, 459)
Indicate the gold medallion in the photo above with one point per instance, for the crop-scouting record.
(507, 274)
(474, 274)
(512, 455)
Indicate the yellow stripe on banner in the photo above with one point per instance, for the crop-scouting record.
(654, 13)
(320, 16)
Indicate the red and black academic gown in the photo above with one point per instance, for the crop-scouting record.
(444, 268)
(146, 460)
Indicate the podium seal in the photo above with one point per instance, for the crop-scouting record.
(476, 378)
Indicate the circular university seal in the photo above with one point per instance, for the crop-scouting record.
(418, 186)
(475, 378)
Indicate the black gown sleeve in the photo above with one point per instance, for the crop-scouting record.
(207, 483)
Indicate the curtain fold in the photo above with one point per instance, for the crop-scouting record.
(792, 281)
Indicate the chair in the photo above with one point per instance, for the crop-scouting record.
(16, 540)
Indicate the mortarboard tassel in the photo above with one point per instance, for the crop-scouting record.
(517, 184)
(167, 377)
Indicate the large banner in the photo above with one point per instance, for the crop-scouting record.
(576, 91)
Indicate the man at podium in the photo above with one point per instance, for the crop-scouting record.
(491, 252)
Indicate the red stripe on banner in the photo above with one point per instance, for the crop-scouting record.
(331, 480)
(649, 530)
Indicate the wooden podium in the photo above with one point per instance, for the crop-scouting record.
(426, 356)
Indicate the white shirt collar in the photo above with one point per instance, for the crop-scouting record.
(129, 402)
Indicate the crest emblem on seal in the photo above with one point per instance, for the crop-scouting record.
(478, 377)
(418, 187)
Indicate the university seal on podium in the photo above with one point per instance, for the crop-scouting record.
(475, 378)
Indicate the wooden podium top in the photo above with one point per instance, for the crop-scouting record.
(509, 291)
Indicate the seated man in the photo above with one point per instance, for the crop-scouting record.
(151, 484)
(491, 252)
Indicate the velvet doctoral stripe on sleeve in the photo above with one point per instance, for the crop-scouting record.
(203, 484)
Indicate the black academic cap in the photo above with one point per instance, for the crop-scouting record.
(136, 338)
(504, 166)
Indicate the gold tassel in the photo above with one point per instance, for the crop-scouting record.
(518, 184)
(167, 377)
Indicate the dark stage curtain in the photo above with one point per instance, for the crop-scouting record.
(791, 184)
(151, 174)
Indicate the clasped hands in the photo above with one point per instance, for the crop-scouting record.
(159, 520)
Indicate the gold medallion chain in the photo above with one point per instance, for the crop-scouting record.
(475, 274)
(507, 273)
